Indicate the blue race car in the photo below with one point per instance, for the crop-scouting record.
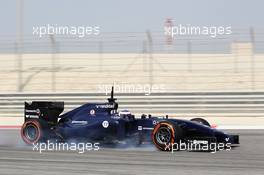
(103, 123)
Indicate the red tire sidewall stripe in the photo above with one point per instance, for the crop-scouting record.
(155, 130)
(35, 124)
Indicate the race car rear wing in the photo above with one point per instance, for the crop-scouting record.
(44, 110)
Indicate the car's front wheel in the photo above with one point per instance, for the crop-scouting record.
(165, 134)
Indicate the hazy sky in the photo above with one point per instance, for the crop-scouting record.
(133, 15)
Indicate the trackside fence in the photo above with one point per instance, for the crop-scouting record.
(222, 104)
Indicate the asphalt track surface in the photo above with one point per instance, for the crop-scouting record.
(16, 158)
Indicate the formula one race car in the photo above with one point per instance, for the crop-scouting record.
(103, 123)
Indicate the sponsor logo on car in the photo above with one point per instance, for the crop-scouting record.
(92, 112)
(33, 111)
(105, 106)
(32, 116)
(105, 124)
(79, 122)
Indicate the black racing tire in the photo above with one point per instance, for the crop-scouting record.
(201, 121)
(165, 134)
(31, 132)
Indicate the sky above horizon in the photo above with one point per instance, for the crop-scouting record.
(116, 18)
(131, 16)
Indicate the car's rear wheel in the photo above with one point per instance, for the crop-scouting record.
(165, 134)
(31, 132)
(201, 121)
